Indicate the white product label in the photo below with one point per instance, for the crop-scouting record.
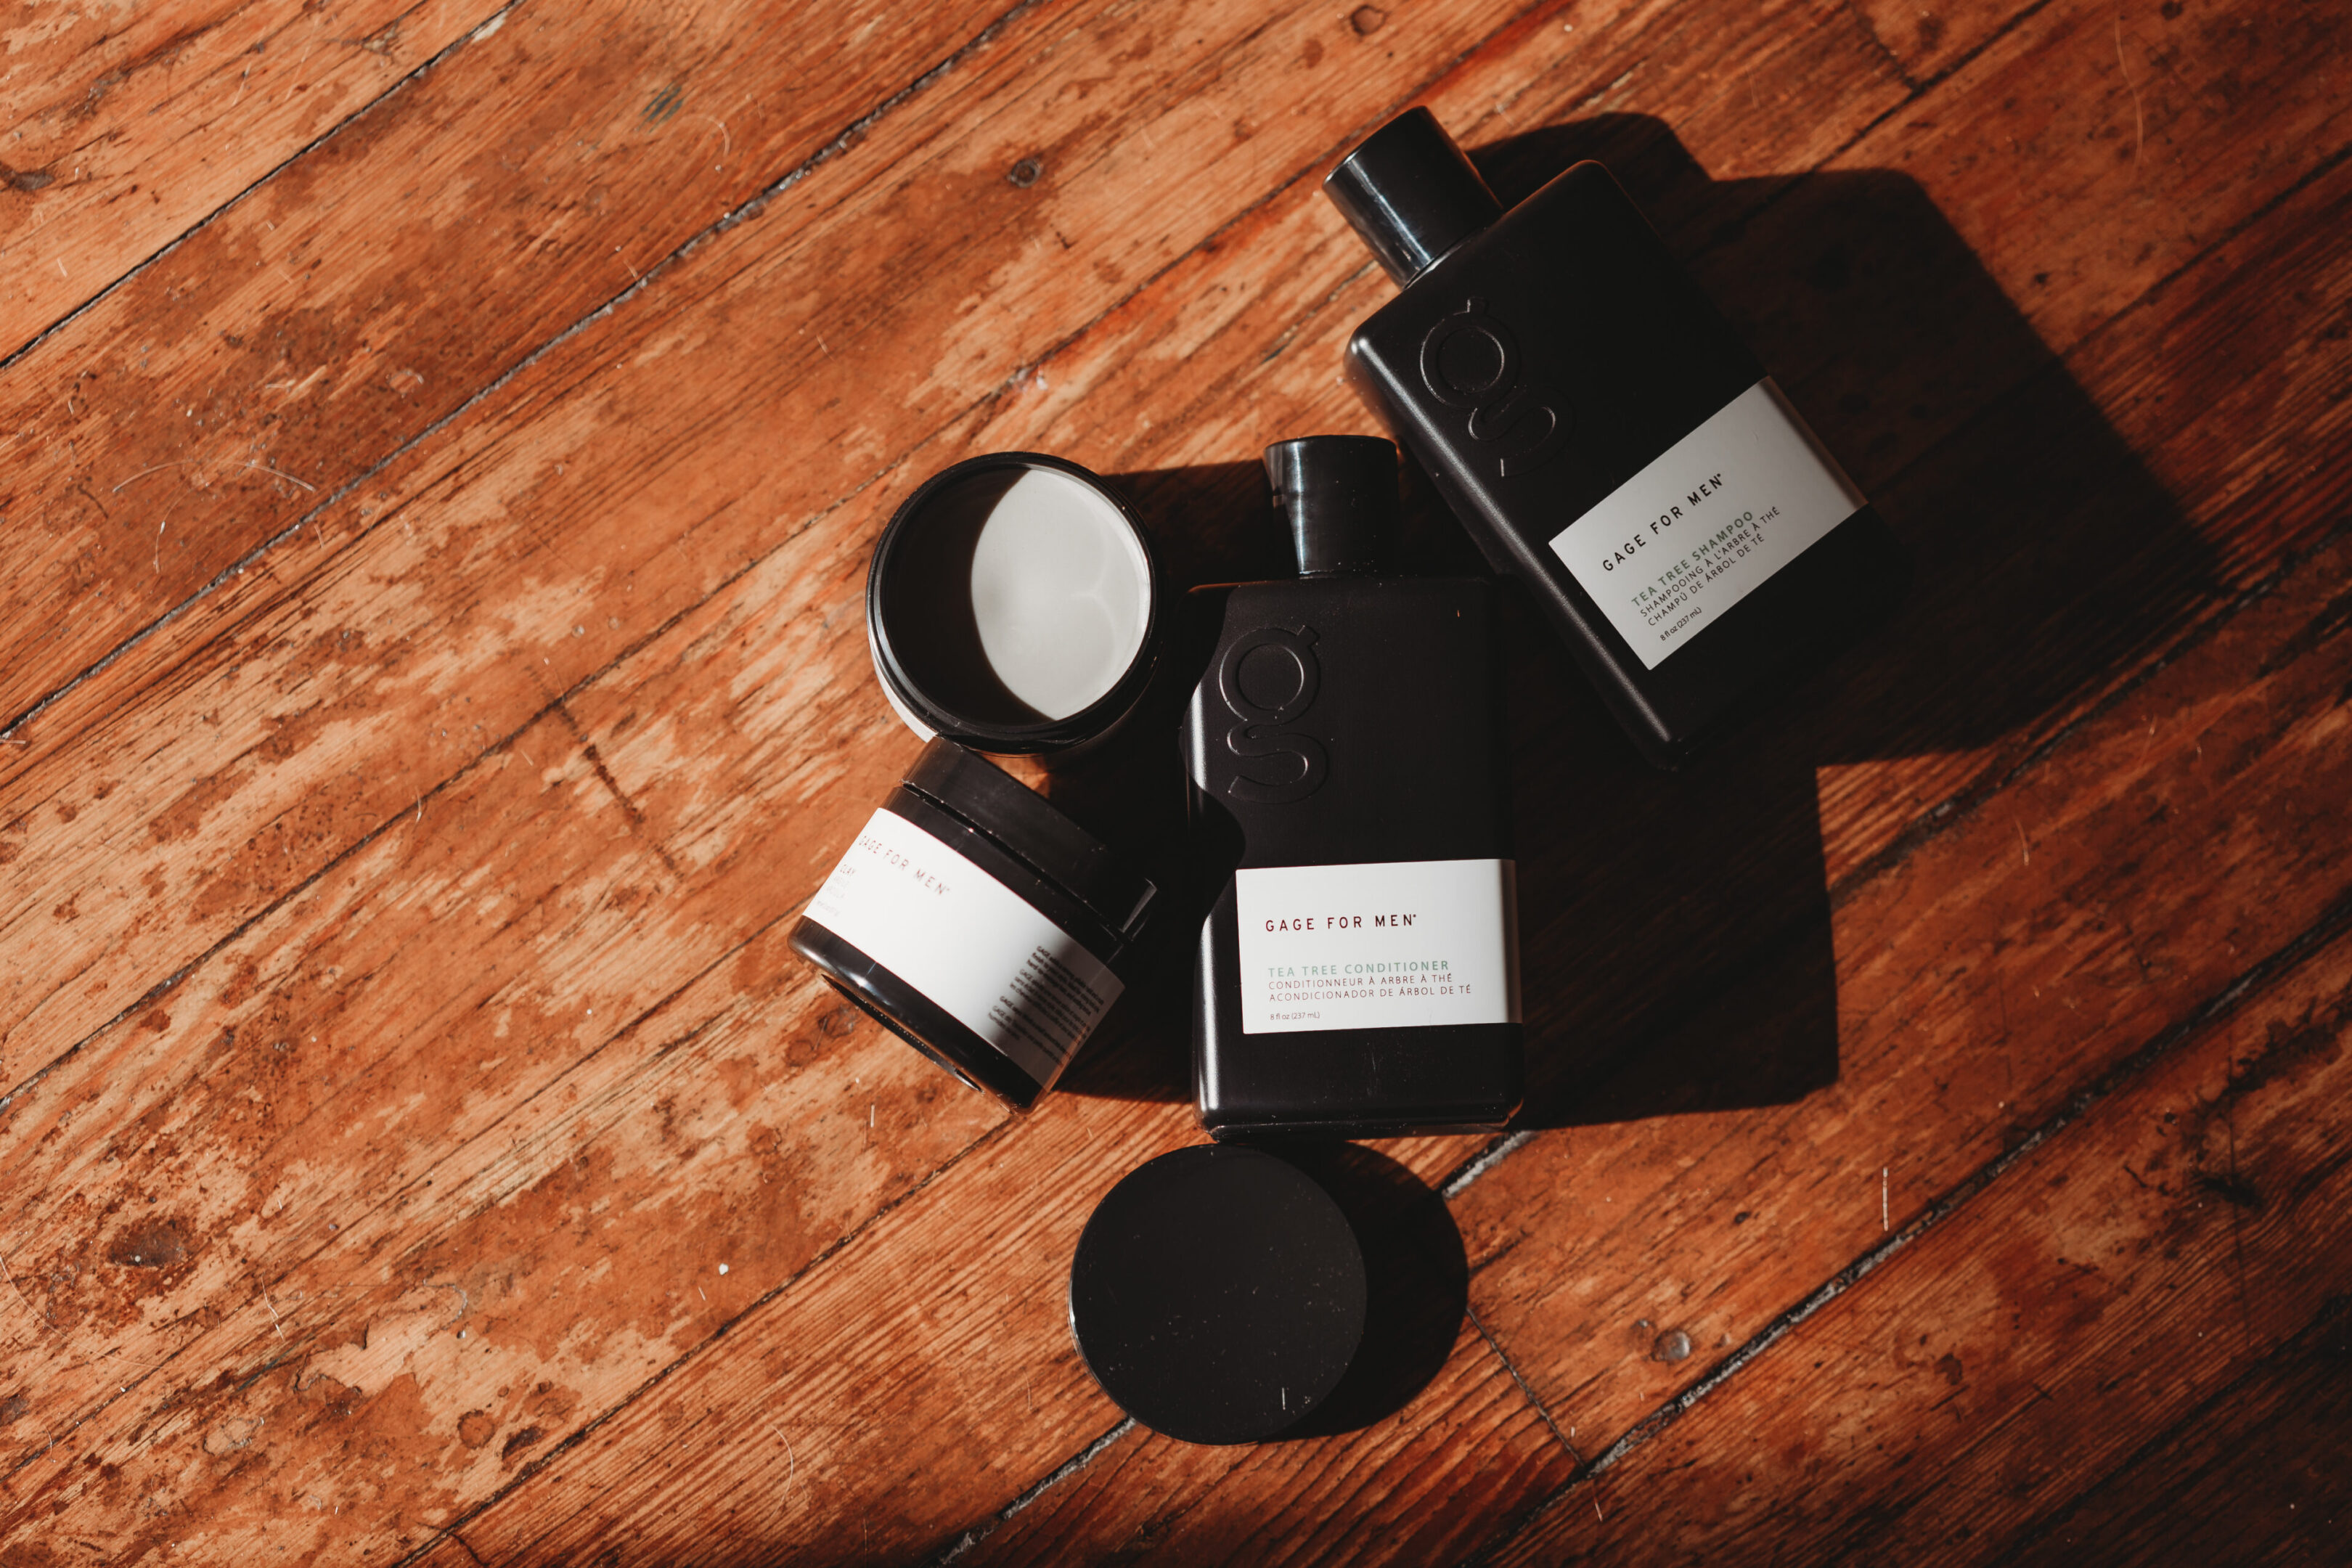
(977, 949)
(1399, 945)
(1702, 527)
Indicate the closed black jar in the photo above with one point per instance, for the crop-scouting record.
(977, 923)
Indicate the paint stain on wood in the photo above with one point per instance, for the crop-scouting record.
(151, 1244)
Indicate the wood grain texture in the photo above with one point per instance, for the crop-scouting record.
(2161, 856)
(396, 1032)
(2125, 1271)
(578, 510)
(127, 128)
(241, 383)
(1634, 1235)
(2251, 1475)
(1475, 1441)
(947, 1306)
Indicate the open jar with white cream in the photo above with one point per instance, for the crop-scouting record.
(1013, 606)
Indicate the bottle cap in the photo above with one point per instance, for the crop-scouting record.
(1218, 1294)
(1411, 196)
(1340, 494)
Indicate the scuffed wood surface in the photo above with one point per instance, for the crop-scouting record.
(244, 383)
(438, 483)
(126, 126)
(2155, 1135)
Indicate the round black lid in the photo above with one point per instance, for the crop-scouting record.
(1218, 1294)
(1411, 194)
(971, 786)
(1340, 494)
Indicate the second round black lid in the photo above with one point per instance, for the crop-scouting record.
(1339, 494)
(1411, 194)
(1218, 1294)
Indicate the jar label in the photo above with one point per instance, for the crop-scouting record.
(1708, 522)
(1401, 944)
(980, 951)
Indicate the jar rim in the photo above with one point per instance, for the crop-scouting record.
(940, 716)
(1035, 831)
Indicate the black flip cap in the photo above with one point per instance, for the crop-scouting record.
(1411, 194)
(968, 785)
(1218, 1294)
(1340, 494)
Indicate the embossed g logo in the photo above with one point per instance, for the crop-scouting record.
(1482, 375)
(1297, 676)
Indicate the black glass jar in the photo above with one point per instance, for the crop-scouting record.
(977, 923)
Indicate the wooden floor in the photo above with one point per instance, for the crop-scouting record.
(439, 446)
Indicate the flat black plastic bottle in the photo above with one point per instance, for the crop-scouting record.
(1358, 973)
(1604, 434)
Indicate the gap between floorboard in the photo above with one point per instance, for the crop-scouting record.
(1488, 1158)
(2249, 983)
(751, 208)
(1959, 807)
(483, 29)
(1967, 802)
(530, 1470)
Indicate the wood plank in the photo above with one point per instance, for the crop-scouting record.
(816, 643)
(2060, 565)
(949, 1319)
(927, 1367)
(428, 1148)
(789, 701)
(1829, 280)
(2158, 379)
(660, 766)
(2012, 1357)
(451, 1553)
(2130, 181)
(129, 1428)
(1072, 378)
(722, 841)
(1981, 981)
(126, 130)
(581, 507)
(1639, 1233)
(2058, 553)
(133, 672)
(227, 390)
(2060, 558)
(2254, 1474)
(1399, 1491)
(1931, 41)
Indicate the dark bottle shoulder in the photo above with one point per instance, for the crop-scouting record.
(1581, 211)
(1368, 621)
(1579, 277)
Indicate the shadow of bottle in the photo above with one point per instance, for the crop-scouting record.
(1676, 938)
(1678, 952)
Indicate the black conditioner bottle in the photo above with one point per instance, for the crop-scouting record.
(1358, 971)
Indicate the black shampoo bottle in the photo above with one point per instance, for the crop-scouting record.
(1604, 434)
(1358, 973)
